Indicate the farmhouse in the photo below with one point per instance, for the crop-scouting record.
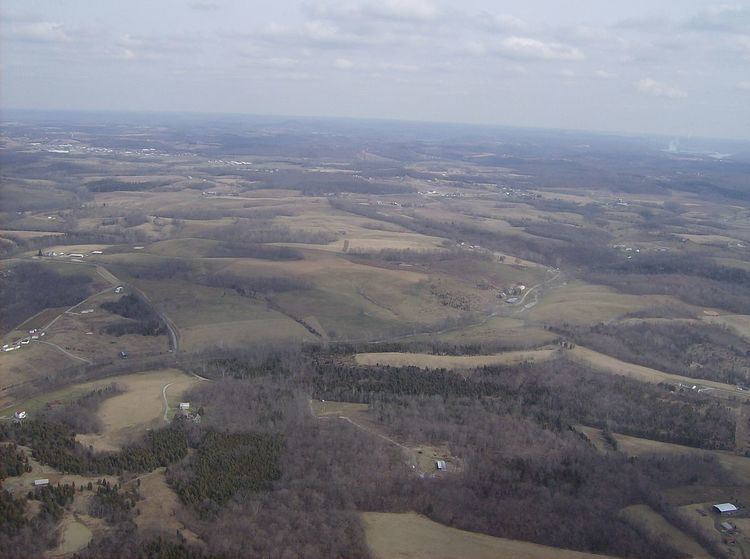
(725, 508)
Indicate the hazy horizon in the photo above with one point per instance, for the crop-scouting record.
(676, 70)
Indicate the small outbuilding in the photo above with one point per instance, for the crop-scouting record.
(725, 508)
(440, 465)
(727, 527)
(184, 405)
(20, 414)
(41, 482)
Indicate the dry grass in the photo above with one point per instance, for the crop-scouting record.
(74, 536)
(609, 364)
(424, 360)
(583, 303)
(740, 323)
(412, 536)
(645, 517)
(128, 415)
(158, 507)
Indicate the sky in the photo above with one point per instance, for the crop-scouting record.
(671, 67)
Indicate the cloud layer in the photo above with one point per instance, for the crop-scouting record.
(540, 63)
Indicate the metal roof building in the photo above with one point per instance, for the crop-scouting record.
(725, 508)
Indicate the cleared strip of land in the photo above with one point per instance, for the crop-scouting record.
(636, 446)
(426, 360)
(412, 536)
(646, 374)
(645, 517)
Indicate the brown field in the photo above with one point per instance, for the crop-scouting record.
(740, 323)
(583, 303)
(30, 362)
(74, 536)
(423, 360)
(158, 507)
(128, 415)
(412, 536)
(644, 516)
(611, 365)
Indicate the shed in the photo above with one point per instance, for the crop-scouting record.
(41, 482)
(20, 414)
(184, 405)
(440, 465)
(727, 527)
(725, 508)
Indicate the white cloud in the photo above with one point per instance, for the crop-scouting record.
(526, 47)
(605, 75)
(650, 86)
(388, 10)
(343, 64)
(502, 22)
(39, 31)
(744, 85)
(205, 6)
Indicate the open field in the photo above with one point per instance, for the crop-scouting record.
(412, 536)
(158, 507)
(395, 359)
(646, 374)
(582, 303)
(127, 416)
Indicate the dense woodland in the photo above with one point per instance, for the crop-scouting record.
(685, 348)
(143, 319)
(29, 287)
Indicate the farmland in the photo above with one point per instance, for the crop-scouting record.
(431, 342)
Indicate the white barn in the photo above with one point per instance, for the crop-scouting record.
(725, 508)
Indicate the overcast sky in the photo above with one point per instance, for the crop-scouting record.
(676, 67)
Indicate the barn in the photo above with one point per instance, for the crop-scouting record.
(725, 508)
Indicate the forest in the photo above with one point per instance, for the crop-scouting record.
(29, 287)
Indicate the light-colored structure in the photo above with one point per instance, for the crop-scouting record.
(440, 465)
(41, 482)
(725, 508)
(184, 405)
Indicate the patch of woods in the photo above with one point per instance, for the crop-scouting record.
(256, 286)
(79, 415)
(557, 392)
(707, 351)
(13, 462)
(226, 464)
(114, 185)
(246, 231)
(29, 287)
(113, 503)
(22, 535)
(529, 475)
(697, 280)
(142, 318)
(266, 478)
(54, 444)
(254, 250)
